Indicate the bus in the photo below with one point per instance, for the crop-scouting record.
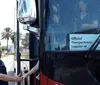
(68, 41)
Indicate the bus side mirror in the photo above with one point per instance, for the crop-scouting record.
(27, 13)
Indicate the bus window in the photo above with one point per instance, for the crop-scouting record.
(69, 23)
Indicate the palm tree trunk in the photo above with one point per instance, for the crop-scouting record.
(7, 45)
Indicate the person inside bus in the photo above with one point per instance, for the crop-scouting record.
(84, 18)
(33, 70)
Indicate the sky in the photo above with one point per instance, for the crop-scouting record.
(7, 19)
(7, 16)
(7, 12)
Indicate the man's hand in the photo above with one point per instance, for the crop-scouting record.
(85, 25)
(94, 24)
(24, 76)
(18, 79)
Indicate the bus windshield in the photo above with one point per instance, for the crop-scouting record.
(71, 25)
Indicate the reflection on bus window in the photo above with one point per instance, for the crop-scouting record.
(56, 40)
(26, 11)
(84, 19)
(70, 17)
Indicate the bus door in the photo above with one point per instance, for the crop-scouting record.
(27, 14)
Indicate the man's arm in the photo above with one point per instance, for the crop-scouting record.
(34, 69)
(94, 24)
(10, 78)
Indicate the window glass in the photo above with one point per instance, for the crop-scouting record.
(71, 20)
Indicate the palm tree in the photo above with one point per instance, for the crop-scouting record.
(25, 41)
(6, 34)
(14, 38)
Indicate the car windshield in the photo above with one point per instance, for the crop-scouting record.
(71, 25)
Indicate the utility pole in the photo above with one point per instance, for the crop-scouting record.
(18, 53)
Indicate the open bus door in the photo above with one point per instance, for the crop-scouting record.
(69, 40)
(27, 15)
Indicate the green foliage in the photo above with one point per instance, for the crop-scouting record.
(6, 34)
(13, 37)
(0, 48)
(25, 41)
(10, 53)
(24, 55)
(4, 48)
